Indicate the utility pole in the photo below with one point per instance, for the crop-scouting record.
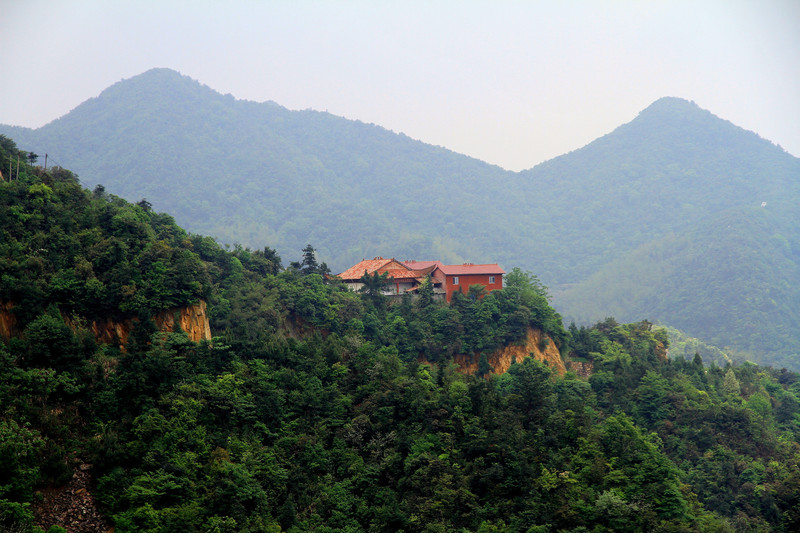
(17, 167)
(45, 162)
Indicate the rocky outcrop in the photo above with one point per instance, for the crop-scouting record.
(71, 506)
(107, 331)
(581, 368)
(8, 321)
(536, 345)
(193, 319)
(662, 352)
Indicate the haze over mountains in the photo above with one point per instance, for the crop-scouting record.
(678, 216)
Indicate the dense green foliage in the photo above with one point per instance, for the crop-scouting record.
(660, 218)
(259, 173)
(92, 254)
(311, 409)
(744, 259)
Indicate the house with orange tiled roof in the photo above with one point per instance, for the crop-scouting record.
(402, 278)
(406, 276)
(458, 278)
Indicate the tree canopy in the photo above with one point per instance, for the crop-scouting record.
(315, 408)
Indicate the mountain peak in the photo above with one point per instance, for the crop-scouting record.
(671, 107)
(157, 74)
(156, 83)
(672, 102)
(162, 72)
(676, 122)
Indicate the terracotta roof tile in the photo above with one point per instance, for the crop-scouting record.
(458, 270)
(414, 269)
(416, 265)
(469, 268)
(365, 266)
(394, 268)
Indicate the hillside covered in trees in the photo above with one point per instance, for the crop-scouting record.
(661, 218)
(313, 408)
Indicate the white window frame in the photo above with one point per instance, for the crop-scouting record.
(455, 280)
(491, 280)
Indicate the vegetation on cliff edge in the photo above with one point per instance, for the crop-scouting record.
(311, 411)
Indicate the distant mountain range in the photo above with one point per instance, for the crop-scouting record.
(678, 216)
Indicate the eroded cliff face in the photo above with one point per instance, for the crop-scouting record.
(8, 321)
(536, 345)
(192, 319)
(662, 352)
(581, 368)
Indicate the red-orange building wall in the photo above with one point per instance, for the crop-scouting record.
(464, 281)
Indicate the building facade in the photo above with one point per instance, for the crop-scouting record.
(407, 276)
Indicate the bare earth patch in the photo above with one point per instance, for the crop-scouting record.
(71, 506)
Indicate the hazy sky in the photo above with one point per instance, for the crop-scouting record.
(510, 82)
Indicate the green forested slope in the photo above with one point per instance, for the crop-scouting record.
(671, 227)
(720, 279)
(259, 173)
(668, 171)
(660, 186)
(310, 410)
(91, 253)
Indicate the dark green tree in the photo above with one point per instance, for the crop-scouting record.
(309, 265)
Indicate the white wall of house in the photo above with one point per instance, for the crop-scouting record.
(390, 289)
(354, 286)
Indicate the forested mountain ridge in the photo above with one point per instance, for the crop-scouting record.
(312, 411)
(651, 200)
(685, 219)
(744, 272)
(257, 173)
(673, 166)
